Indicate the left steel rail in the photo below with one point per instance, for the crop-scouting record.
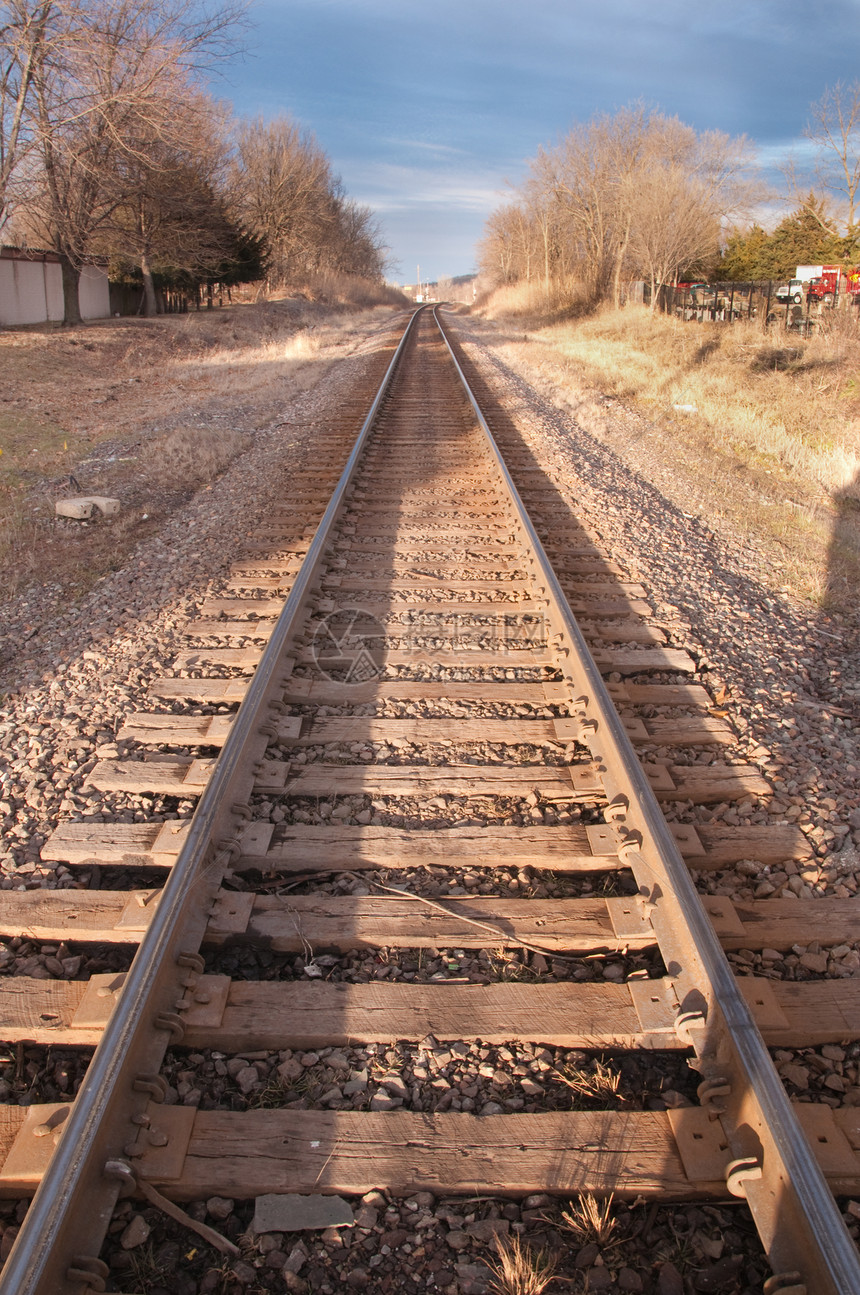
(56, 1250)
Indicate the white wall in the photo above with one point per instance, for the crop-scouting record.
(31, 292)
(27, 292)
(93, 293)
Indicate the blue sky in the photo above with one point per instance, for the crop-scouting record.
(427, 108)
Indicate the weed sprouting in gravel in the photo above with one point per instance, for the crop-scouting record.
(276, 1092)
(590, 1219)
(520, 1270)
(592, 1082)
(146, 1268)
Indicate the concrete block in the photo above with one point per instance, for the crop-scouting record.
(79, 509)
(82, 508)
(107, 507)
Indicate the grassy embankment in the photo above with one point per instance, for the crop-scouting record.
(758, 431)
(148, 411)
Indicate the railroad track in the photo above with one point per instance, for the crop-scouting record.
(427, 737)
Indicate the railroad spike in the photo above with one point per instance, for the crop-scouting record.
(192, 962)
(617, 809)
(630, 842)
(711, 1092)
(686, 1022)
(229, 851)
(154, 1085)
(171, 1024)
(740, 1172)
(784, 1284)
(88, 1271)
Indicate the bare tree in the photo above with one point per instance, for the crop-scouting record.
(358, 245)
(280, 188)
(834, 128)
(686, 186)
(101, 103)
(167, 212)
(283, 190)
(673, 228)
(633, 193)
(24, 32)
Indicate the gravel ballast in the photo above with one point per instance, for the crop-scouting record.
(790, 689)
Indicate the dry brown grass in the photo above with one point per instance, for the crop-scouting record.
(590, 1219)
(520, 1270)
(769, 440)
(596, 1081)
(142, 410)
(190, 456)
(535, 304)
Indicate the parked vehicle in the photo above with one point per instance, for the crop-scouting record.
(824, 285)
(791, 291)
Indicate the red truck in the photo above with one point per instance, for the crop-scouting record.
(822, 282)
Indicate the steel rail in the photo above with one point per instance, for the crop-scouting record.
(795, 1213)
(44, 1247)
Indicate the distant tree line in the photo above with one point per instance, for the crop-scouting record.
(111, 148)
(637, 195)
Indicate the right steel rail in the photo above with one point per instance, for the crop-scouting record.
(774, 1168)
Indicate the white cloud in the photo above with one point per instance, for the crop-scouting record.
(443, 150)
(777, 155)
(387, 187)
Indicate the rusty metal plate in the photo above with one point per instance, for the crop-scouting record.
(172, 836)
(618, 691)
(586, 780)
(656, 1006)
(629, 918)
(762, 1002)
(230, 914)
(199, 773)
(659, 777)
(602, 839)
(100, 996)
(138, 911)
(209, 998)
(218, 729)
(300, 687)
(161, 1164)
(688, 840)
(255, 839)
(636, 730)
(290, 727)
(567, 730)
(33, 1146)
(833, 1151)
(272, 776)
(701, 1144)
(723, 915)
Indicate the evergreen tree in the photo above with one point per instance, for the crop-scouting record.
(807, 237)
